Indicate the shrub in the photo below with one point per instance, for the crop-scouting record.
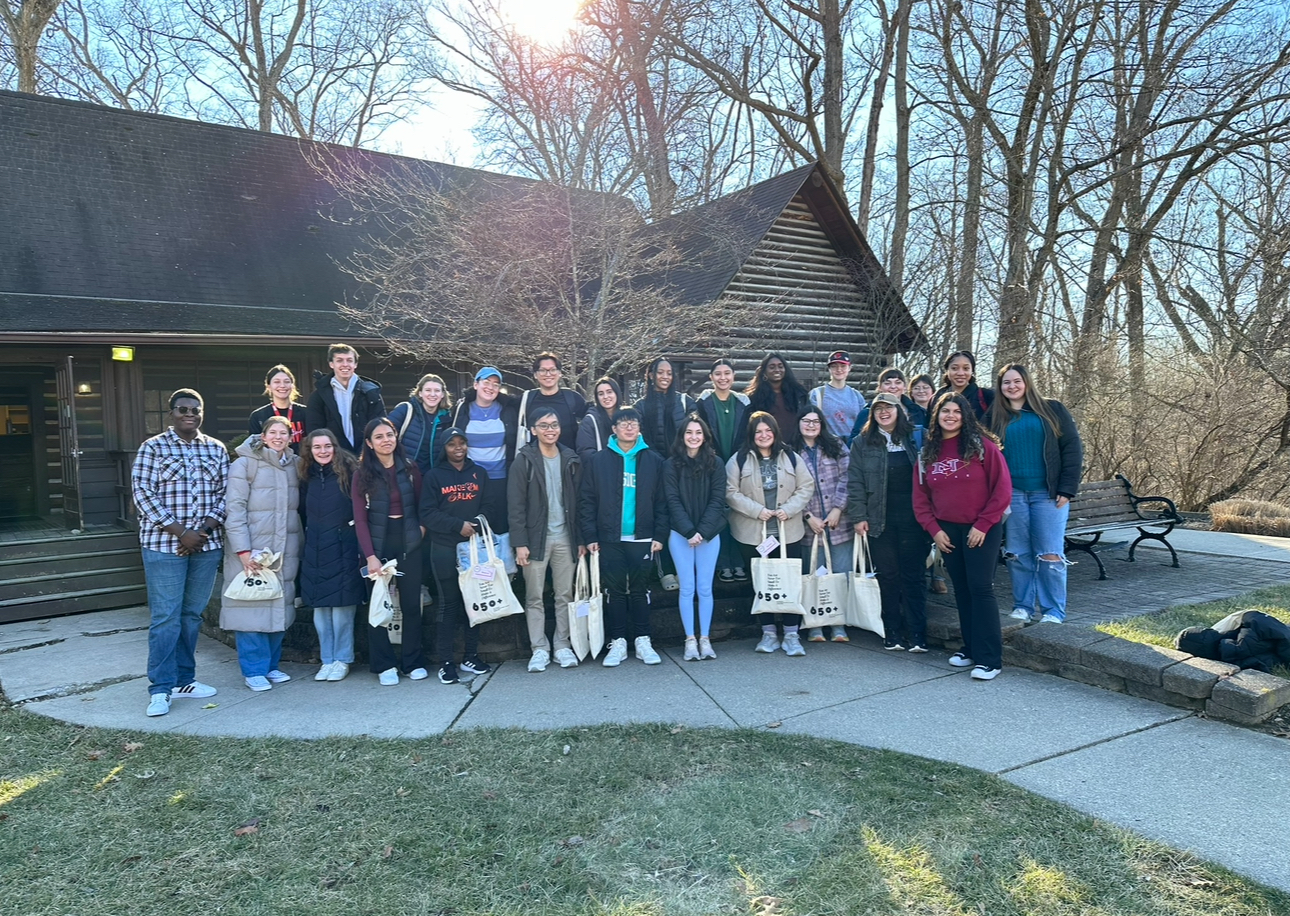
(1251, 516)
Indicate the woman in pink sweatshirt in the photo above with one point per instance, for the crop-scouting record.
(962, 489)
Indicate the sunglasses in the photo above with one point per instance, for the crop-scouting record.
(183, 410)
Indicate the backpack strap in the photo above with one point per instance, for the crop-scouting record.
(407, 421)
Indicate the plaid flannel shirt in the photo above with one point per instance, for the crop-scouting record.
(177, 481)
(830, 492)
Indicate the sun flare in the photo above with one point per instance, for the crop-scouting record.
(543, 21)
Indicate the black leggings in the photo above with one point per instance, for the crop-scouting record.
(899, 556)
(971, 570)
(381, 655)
(452, 610)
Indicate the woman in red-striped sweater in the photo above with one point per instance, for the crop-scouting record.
(961, 492)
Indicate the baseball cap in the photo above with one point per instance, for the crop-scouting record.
(885, 397)
(488, 371)
(840, 356)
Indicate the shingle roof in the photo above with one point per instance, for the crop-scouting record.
(116, 218)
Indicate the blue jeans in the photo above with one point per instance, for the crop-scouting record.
(335, 626)
(695, 567)
(258, 653)
(840, 555)
(178, 591)
(1037, 528)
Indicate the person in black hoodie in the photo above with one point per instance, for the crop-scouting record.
(343, 402)
(451, 499)
(597, 427)
(960, 378)
(663, 407)
(329, 579)
(695, 485)
(623, 517)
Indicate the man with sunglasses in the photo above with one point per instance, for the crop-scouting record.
(178, 483)
(542, 499)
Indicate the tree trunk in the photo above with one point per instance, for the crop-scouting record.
(26, 26)
(900, 219)
(965, 293)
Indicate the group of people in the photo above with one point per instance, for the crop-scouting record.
(333, 489)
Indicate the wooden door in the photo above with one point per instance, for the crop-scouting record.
(69, 448)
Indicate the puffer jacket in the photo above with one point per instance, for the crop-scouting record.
(329, 565)
(263, 514)
(416, 425)
(696, 499)
(867, 483)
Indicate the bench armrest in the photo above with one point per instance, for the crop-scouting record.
(1167, 511)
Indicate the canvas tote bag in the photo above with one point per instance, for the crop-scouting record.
(777, 582)
(586, 611)
(824, 598)
(380, 607)
(864, 607)
(485, 586)
(258, 586)
(501, 547)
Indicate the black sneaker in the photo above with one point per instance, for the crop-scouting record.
(474, 665)
(448, 673)
(892, 645)
(726, 575)
(740, 574)
(918, 648)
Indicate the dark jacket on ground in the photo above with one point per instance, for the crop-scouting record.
(329, 566)
(696, 501)
(1250, 639)
(450, 497)
(979, 398)
(421, 425)
(867, 482)
(527, 500)
(323, 413)
(600, 498)
(1063, 455)
(510, 418)
(661, 416)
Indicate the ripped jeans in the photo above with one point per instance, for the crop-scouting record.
(1036, 528)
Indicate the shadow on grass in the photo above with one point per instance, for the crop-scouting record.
(633, 821)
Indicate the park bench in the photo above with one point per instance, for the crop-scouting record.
(1111, 505)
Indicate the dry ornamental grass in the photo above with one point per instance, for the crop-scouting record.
(1251, 516)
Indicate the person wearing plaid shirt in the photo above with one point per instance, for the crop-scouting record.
(178, 483)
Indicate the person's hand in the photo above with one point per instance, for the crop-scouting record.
(194, 539)
(655, 546)
(943, 542)
(582, 551)
(975, 538)
(1063, 501)
(817, 525)
(833, 518)
(373, 566)
(521, 556)
(862, 527)
(594, 547)
(249, 566)
(765, 515)
(696, 540)
(781, 515)
(467, 529)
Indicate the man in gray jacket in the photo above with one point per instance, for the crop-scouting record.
(542, 498)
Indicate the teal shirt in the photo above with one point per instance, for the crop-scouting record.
(629, 485)
(1024, 450)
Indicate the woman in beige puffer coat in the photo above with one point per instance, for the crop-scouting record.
(263, 499)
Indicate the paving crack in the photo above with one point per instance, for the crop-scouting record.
(71, 690)
(1083, 747)
(33, 645)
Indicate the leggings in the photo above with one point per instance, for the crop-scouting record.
(452, 610)
(695, 567)
(381, 653)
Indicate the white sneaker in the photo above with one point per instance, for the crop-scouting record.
(691, 649)
(769, 642)
(1052, 618)
(418, 674)
(566, 658)
(541, 658)
(645, 652)
(324, 672)
(258, 683)
(194, 691)
(793, 644)
(278, 677)
(705, 648)
(158, 704)
(389, 677)
(1020, 613)
(617, 652)
(959, 660)
(338, 671)
(984, 673)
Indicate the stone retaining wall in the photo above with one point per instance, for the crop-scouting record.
(1168, 676)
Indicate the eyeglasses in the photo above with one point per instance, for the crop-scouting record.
(184, 410)
(548, 426)
(810, 422)
(550, 370)
(627, 422)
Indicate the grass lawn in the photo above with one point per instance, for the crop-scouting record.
(610, 820)
(1159, 629)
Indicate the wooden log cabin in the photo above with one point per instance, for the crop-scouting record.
(141, 253)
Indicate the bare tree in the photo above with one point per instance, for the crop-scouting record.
(25, 22)
(492, 269)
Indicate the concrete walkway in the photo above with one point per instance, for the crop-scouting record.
(1212, 789)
